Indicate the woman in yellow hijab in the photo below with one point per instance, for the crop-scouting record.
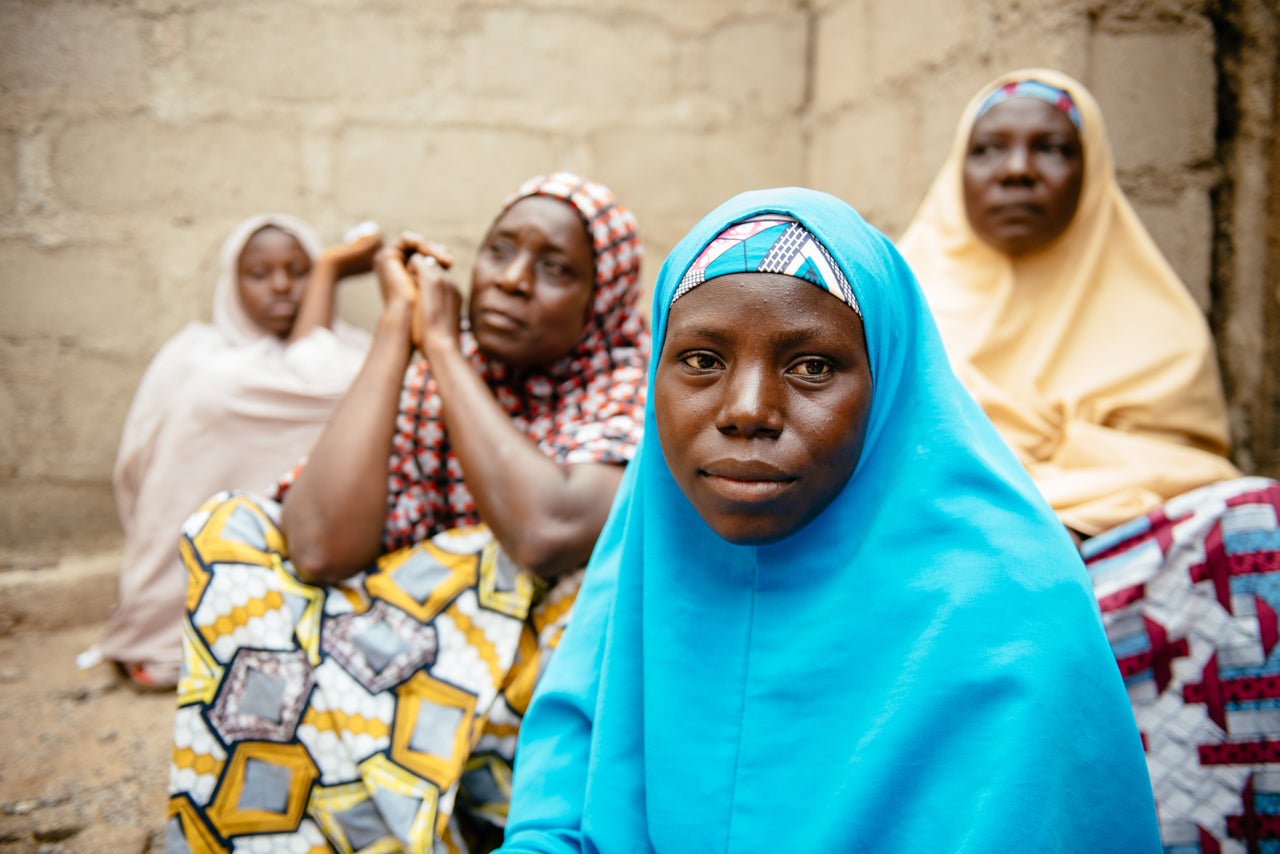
(1082, 345)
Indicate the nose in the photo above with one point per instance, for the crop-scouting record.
(1017, 163)
(516, 276)
(281, 281)
(750, 408)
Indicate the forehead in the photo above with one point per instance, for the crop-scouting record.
(783, 305)
(270, 239)
(556, 219)
(1024, 115)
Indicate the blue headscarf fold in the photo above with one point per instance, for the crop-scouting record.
(921, 668)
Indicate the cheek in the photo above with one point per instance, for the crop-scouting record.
(840, 431)
(579, 306)
(250, 295)
(1068, 197)
(972, 190)
(568, 314)
(664, 414)
(677, 415)
(481, 273)
(840, 448)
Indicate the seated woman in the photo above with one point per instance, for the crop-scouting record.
(829, 611)
(222, 406)
(380, 712)
(1084, 348)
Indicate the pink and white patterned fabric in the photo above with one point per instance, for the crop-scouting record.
(1190, 595)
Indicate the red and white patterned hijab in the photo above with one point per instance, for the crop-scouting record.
(588, 407)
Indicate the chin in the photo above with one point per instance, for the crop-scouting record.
(501, 354)
(761, 532)
(1016, 241)
(495, 345)
(1024, 247)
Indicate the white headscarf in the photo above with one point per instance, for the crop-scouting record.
(221, 406)
(229, 316)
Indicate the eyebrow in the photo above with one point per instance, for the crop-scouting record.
(549, 243)
(792, 338)
(714, 335)
(1002, 131)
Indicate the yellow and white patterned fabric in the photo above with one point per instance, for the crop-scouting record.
(375, 715)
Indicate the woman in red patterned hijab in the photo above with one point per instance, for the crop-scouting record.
(384, 630)
(579, 402)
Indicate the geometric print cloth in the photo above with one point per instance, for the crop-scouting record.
(375, 715)
(769, 244)
(1190, 595)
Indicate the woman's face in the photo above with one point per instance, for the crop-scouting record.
(532, 283)
(1022, 175)
(272, 275)
(761, 396)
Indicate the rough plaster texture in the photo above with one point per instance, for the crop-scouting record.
(135, 133)
(1189, 90)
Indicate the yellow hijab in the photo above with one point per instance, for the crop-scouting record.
(1089, 355)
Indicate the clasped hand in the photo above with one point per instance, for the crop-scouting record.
(412, 272)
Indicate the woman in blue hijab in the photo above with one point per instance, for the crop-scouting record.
(829, 611)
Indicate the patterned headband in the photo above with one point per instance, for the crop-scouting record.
(1033, 89)
(769, 244)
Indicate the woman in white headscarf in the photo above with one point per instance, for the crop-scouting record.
(226, 404)
(1082, 345)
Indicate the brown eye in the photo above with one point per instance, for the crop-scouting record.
(499, 250)
(812, 367)
(700, 361)
(555, 269)
(1059, 149)
(984, 150)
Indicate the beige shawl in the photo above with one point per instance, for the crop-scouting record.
(1089, 355)
(221, 406)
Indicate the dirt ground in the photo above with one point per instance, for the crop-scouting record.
(83, 759)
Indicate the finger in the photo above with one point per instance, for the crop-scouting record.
(425, 266)
(411, 241)
(386, 255)
(439, 252)
(392, 272)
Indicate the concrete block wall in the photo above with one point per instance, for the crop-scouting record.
(134, 134)
(894, 78)
(1189, 90)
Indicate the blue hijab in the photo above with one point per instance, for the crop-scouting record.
(921, 668)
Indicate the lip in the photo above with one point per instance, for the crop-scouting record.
(283, 309)
(745, 481)
(499, 320)
(1016, 209)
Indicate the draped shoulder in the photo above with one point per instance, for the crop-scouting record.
(1089, 354)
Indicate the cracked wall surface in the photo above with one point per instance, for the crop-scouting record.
(135, 133)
